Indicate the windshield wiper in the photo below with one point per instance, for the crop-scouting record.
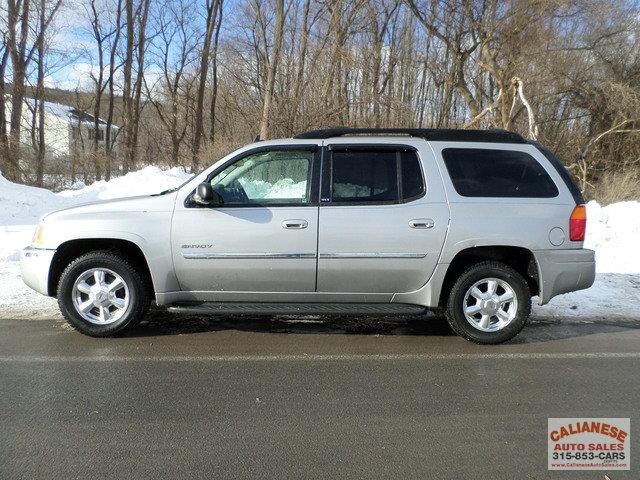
(164, 192)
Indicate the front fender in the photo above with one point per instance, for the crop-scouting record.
(149, 231)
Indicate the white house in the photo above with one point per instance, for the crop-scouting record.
(67, 129)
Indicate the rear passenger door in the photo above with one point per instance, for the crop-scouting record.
(383, 218)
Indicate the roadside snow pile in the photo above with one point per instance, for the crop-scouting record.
(142, 182)
(24, 205)
(614, 233)
(613, 296)
(21, 206)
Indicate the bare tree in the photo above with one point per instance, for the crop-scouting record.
(102, 31)
(136, 17)
(4, 63)
(39, 126)
(113, 49)
(212, 7)
(22, 46)
(274, 60)
(549, 69)
(174, 52)
(18, 17)
(214, 75)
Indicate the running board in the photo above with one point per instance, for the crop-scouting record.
(226, 308)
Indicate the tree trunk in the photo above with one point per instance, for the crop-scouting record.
(4, 140)
(214, 75)
(137, 92)
(99, 88)
(127, 147)
(17, 50)
(40, 144)
(212, 9)
(271, 73)
(108, 142)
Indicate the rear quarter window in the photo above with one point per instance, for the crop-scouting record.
(479, 172)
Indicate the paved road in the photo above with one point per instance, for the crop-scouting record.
(272, 398)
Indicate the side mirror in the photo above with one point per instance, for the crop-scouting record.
(206, 195)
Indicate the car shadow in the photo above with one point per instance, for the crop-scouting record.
(160, 322)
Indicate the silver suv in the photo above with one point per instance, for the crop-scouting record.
(389, 221)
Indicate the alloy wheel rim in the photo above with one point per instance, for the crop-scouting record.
(100, 296)
(490, 305)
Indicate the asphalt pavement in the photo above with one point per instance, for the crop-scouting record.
(310, 398)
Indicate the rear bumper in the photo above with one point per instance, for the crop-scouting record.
(562, 271)
(34, 268)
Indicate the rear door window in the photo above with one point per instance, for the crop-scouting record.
(375, 176)
(479, 172)
(412, 180)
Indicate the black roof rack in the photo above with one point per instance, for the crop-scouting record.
(435, 134)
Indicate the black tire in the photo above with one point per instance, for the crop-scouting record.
(139, 292)
(456, 302)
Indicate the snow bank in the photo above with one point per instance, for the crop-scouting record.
(21, 206)
(613, 296)
(142, 182)
(614, 233)
(24, 205)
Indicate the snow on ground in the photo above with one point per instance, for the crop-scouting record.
(24, 205)
(613, 231)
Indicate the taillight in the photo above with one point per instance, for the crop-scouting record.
(578, 223)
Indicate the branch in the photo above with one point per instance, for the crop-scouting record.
(615, 129)
(488, 109)
(533, 126)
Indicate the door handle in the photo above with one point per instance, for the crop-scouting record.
(421, 223)
(295, 224)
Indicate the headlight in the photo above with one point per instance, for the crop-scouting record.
(38, 237)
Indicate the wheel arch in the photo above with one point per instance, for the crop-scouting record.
(519, 258)
(67, 251)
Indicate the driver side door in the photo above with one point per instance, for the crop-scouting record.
(263, 238)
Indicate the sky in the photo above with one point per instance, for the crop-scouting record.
(72, 57)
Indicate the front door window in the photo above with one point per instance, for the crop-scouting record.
(268, 178)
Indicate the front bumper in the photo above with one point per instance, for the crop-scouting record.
(34, 268)
(562, 271)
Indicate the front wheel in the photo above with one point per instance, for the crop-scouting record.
(101, 294)
(489, 303)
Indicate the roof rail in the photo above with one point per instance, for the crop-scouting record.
(435, 134)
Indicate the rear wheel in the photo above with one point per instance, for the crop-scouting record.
(101, 294)
(489, 303)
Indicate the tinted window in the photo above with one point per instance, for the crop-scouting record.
(372, 176)
(412, 181)
(497, 173)
(364, 176)
(267, 178)
(562, 171)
